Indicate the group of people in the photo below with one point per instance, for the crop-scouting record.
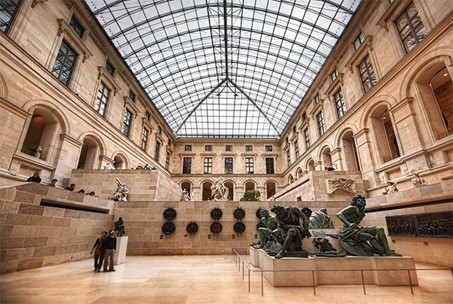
(104, 250)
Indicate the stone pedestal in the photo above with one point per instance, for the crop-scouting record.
(314, 271)
(121, 248)
(254, 256)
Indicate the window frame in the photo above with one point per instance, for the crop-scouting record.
(97, 107)
(187, 165)
(250, 165)
(270, 161)
(228, 162)
(368, 66)
(340, 103)
(208, 165)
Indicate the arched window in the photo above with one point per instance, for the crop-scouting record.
(290, 179)
(299, 173)
(385, 137)
(434, 86)
(120, 161)
(41, 134)
(326, 158)
(311, 165)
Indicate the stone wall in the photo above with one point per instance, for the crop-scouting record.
(144, 220)
(143, 185)
(32, 235)
(315, 186)
(432, 198)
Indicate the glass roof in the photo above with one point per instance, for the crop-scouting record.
(235, 68)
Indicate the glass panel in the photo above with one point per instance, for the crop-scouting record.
(208, 80)
(7, 11)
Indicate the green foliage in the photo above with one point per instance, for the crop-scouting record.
(251, 195)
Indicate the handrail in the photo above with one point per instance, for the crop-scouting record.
(240, 261)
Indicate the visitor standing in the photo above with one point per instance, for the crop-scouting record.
(99, 251)
(110, 250)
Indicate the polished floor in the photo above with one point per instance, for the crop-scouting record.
(198, 279)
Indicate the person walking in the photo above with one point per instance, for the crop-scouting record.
(99, 251)
(110, 250)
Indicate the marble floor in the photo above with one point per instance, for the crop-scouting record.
(198, 279)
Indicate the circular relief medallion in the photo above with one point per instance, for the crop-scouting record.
(239, 227)
(192, 228)
(239, 213)
(168, 228)
(216, 213)
(169, 214)
(216, 228)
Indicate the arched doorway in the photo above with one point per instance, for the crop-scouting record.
(188, 187)
(271, 189)
(230, 186)
(249, 186)
(206, 192)
(349, 150)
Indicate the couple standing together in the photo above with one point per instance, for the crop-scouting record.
(104, 251)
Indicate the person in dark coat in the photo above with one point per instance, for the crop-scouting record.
(110, 250)
(99, 251)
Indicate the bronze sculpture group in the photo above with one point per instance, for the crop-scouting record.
(284, 231)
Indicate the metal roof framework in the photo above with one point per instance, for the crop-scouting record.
(233, 69)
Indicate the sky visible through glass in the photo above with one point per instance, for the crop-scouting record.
(225, 68)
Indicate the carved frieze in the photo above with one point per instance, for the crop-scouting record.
(438, 224)
(341, 183)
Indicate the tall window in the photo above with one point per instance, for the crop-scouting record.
(147, 116)
(109, 68)
(207, 165)
(144, 142)
(334, 75)
(410, 27)
(288, 157)
(64, 64)
(320, 119)
(157, 151)
(307, 138)
(8, 9)
(228, 165)
(75, 25)
(101, 99)
(249, 165)
(359, 40)
(269, 165)
(316, 99)
(187, 165)
(296, 148)
(339, 103)
(367, 75)
(167, 160)
(127, 121)
(132, 96)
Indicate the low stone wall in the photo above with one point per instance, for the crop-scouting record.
(143, 185)
(32, 235)
(323, 186)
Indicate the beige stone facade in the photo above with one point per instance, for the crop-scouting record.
(402, 124)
